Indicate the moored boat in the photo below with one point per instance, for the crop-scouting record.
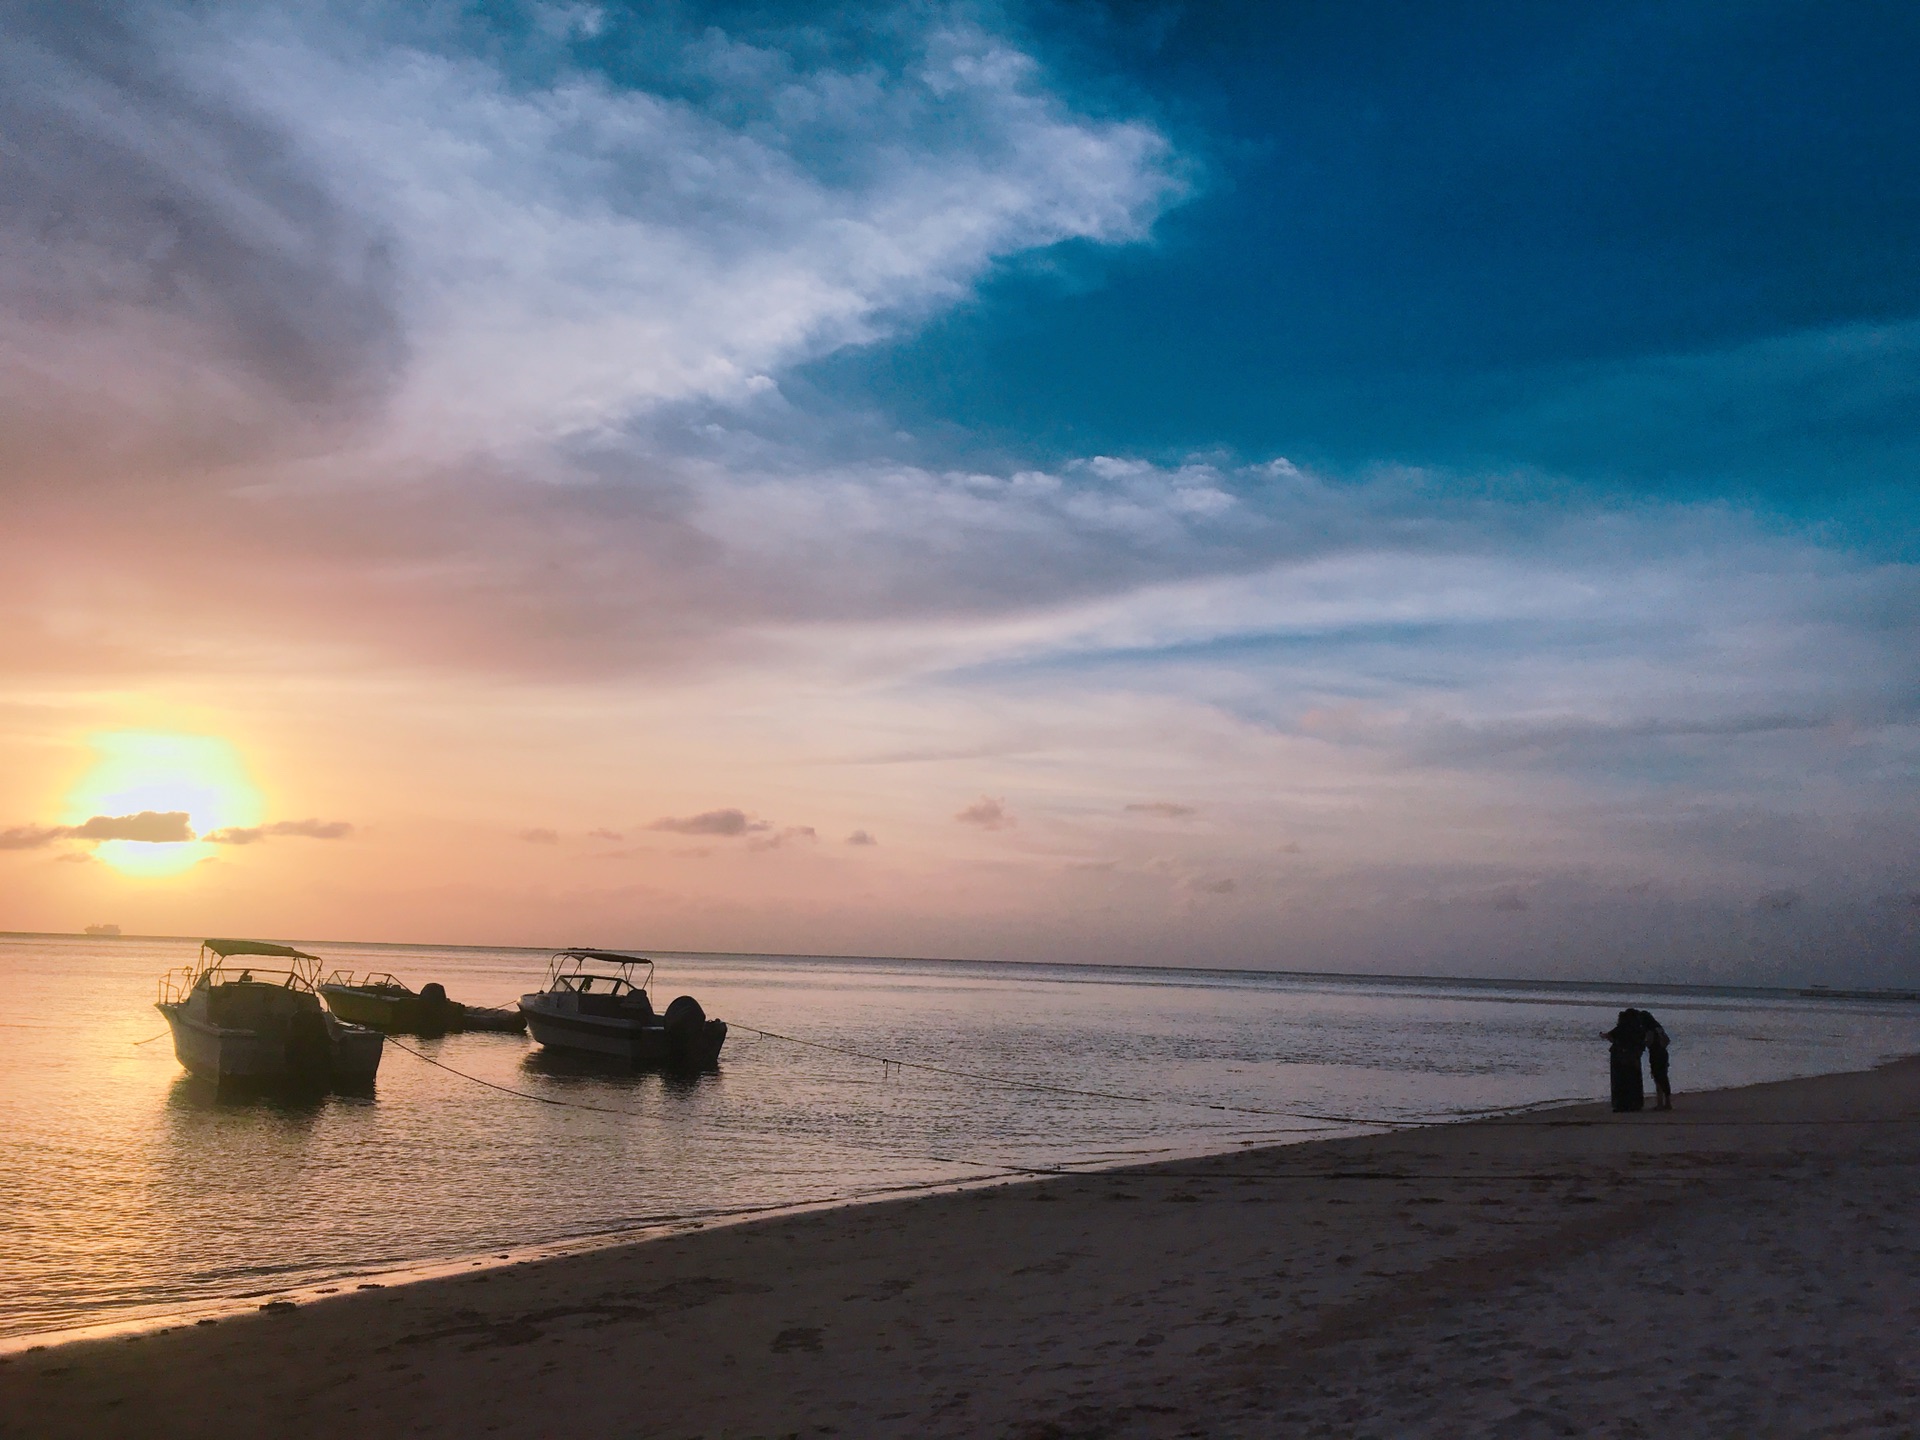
(597, 1002)
(386, 1003)
(233, 1020)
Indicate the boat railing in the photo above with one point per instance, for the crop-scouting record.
(372, 980)
(178, 983)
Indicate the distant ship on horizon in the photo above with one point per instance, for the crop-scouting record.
(108, 930)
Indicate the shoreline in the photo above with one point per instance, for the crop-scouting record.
(163, 1318)
(980, 1311)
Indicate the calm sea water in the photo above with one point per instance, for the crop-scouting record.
(129, 1190)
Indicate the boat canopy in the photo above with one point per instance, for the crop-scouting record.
(569, 965)
(224, 948)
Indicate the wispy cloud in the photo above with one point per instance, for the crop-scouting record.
(30, 837)
(254, 834)
(1162, 809)
(430, 313)
(987, 813)
(786, 835)
(712, 822)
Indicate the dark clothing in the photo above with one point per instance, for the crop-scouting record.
(1657, 1043)
(1627, 1039)
(1629, 1091)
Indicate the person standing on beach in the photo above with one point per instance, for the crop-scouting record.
(1626, 1040)
(1657, 1043)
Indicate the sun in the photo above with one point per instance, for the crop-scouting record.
(152, 770)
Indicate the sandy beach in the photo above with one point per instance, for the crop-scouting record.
(1745, 1265)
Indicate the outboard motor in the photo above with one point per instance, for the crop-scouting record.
(437, 1013)
(685, 1021)
(310, 1048)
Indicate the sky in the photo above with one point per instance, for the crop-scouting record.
(1382, 488)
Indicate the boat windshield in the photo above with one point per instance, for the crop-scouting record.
(599, 972)
(596, 984)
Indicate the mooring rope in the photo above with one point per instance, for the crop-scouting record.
(509, 1090)
(1506, 1114)
(951, 1072)
(1042, 1086)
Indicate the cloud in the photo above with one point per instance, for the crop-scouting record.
(149, 827)
(540, 835)
(31, 837)
(1215, 887)
(1777, 902)
(209, 282)
(712, 822)
(861, 837)
(579, 249)
(364, 211)
(605, 835)
(988, 813)
(492, 350)
(784, 836)
(254, 834)
(493, 338)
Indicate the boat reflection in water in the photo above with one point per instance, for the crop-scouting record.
(247, 1025)
(595, 1002)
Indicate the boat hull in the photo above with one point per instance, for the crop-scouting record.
(398, 1014)
(489, 1017)
(637, 1042)
(274, 1056)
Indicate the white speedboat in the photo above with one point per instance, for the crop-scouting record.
(596, 1001)
(233, 1020)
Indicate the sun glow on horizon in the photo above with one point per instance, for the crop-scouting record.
(154, 770)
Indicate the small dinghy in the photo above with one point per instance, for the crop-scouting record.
(234, 1021)
(385, 1003)
(596, 1002)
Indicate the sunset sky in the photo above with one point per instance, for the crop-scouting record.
(1378, 487)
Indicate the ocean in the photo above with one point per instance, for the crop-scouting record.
(131, 1193)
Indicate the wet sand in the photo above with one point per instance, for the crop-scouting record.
(1746, 1265)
